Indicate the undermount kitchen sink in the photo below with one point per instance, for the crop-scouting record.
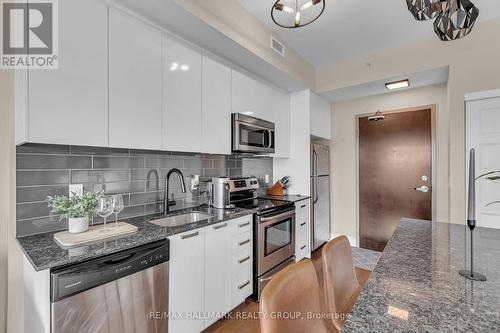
(181, 219)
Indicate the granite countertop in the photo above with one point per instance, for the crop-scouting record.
(44, 252)
(287, 197)
(415, 286)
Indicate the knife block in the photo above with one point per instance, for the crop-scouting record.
(277, 189)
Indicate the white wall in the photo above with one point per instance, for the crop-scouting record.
(344, 150)
(11, 288)
(298, 165)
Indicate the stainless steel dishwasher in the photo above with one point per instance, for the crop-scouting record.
(123, 292)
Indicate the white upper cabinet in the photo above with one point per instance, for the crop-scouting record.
(321, 117)
(251, 97)
(134, 83)
(281, 119)
(216, 105)
(181, 96)
(69, 105)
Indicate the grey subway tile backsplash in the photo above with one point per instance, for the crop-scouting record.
(111, 162)
(44, 162)
(39, 193)
(139, 175)
(99, 176)
(28, 178)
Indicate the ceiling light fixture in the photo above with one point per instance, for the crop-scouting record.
(423, 10)
(397, 84)
(456, 20)
(303, 14)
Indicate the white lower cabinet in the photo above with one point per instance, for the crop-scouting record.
(210, 273)
(187, 281)
(217, 271)
(302, 230)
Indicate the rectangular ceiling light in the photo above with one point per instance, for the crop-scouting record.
(398, 84)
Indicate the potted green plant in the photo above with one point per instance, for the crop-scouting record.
(78, 209)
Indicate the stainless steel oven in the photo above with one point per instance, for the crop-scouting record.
(275, 245)
(252, 135)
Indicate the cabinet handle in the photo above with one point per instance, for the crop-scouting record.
(303, 247)
(243, 225)
(246, 283)
(194, 234)
(220, 226)
(302, 224)
(244, 242)
(303, 206)
(242, 260)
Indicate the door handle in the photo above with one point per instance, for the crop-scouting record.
(242, 260)
(220, 226)
(244, 242)
(423, 189)
(244, 284)
(194, 234)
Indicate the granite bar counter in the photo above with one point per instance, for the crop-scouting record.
(287, 197)
(415, 286)
(43, 252)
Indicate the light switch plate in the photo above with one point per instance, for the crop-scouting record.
(75, 189)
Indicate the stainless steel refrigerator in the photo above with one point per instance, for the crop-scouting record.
(320, 192)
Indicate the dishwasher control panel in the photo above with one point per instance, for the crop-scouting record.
(73, 279)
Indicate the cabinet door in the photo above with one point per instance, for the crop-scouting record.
(187, 276)
(302, 230)
(181, 96)
(251, 97)
(216, 110)
(281, 118)
(217, 270)
(69, 105)
(321, 117)
(134, 83)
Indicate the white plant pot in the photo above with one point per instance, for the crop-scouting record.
(78, 224)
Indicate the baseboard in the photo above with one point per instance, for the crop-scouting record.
(352, 240)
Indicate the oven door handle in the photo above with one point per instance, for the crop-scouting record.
(277, 217)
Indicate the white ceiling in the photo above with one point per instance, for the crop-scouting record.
(352, 27)
(417, 80)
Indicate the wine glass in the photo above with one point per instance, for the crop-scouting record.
(117, 206)
(105, 208)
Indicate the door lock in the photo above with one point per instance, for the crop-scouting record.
(423, 189)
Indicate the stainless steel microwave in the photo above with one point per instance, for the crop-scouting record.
(252, 135)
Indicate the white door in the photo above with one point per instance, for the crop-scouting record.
(217, 270)
(181, 96)
(483, 134)
(186, 283)
(69, 105)
(134, 83)
(216, 113)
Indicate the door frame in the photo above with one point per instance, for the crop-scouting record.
(433, 108)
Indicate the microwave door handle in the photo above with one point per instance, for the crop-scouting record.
(269, 135)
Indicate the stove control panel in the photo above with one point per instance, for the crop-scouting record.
(243, 184)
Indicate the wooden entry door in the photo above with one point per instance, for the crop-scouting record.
(395, 158)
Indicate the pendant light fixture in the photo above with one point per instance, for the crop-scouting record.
(296, 13)
(456, 20)
(423, 10)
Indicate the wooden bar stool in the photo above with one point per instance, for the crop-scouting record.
(342, 281)
(295, 292)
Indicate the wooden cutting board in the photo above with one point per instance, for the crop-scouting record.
(96, 233)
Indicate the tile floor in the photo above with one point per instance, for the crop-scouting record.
(364, 258)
